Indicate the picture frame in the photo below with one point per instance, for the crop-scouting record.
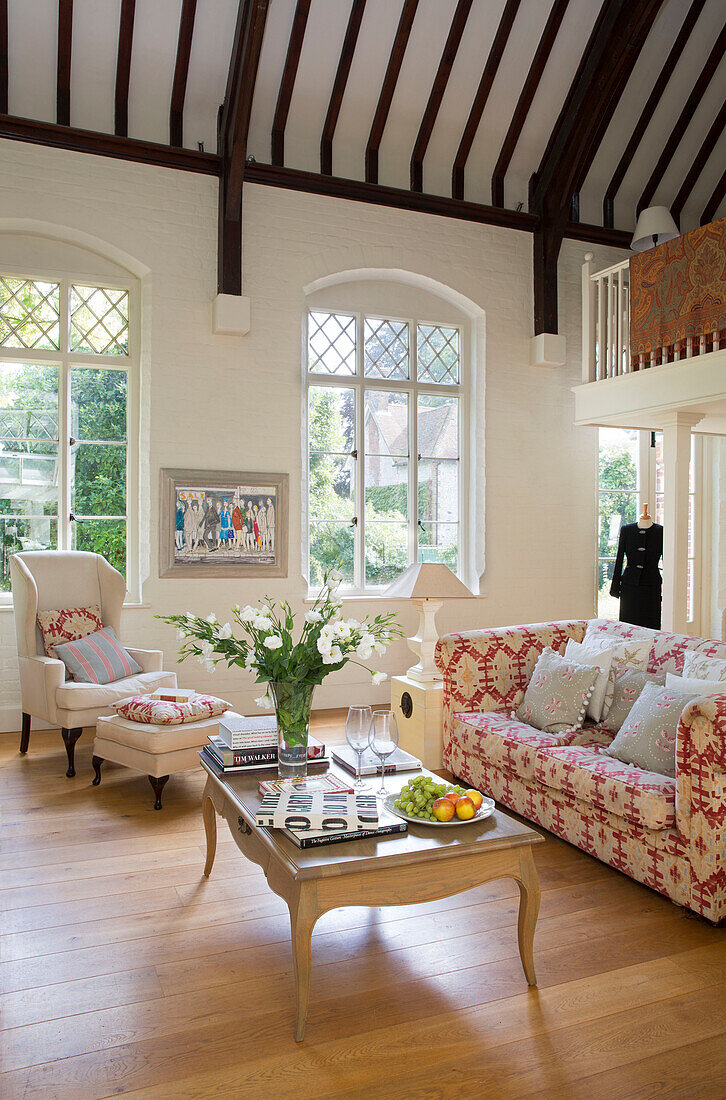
(223, 524)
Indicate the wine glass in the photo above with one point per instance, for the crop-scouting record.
(383, 740)
(357, 733)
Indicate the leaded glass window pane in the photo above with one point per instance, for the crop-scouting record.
(99, 320)
(331, 343)
(29, 314)
(439, 354)
(385, 349)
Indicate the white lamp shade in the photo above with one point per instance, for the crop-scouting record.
(428, 581)
(654, 226)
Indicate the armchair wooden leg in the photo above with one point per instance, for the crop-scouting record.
(69, 738)
(157, 783)
(96, 762)
(25, 734)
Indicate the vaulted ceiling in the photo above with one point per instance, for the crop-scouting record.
(537, 47)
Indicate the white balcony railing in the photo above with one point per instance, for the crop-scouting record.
(606, 327)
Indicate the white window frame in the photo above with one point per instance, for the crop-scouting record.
(66, 359)
(646, 494)
(360, 382)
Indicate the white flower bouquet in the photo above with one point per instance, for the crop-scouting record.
(291, 669)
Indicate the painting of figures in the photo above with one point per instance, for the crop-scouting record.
(216, 524)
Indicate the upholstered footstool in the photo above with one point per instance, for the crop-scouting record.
(159, 751)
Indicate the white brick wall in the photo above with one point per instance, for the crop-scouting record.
(224, 402)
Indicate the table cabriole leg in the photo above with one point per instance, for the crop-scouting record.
(529, 898)
(303, 915)
(209, 815)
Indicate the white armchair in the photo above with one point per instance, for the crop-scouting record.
(45, 580)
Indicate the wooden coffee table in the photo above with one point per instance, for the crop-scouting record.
(403, 869)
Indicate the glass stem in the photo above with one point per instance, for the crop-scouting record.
(358, 766)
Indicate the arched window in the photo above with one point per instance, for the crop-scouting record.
(387, 416)
(68, 368)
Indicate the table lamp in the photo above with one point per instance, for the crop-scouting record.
(428, 584)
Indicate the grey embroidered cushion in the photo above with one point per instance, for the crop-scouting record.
(558, 693)
(647, 738)
(700, 667)
(629, 682)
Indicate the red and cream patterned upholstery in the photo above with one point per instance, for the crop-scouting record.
(669, 834)
(164, 712)
(641, 797)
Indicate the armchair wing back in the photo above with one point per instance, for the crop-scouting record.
(44, 580)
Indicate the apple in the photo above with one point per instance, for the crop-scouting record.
(443, 809)
(465, 808)
(453, 797)
(476, 796)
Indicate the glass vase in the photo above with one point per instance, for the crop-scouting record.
(293, 702)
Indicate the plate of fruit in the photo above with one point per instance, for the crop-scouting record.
(431, 801)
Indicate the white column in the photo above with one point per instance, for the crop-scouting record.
(676, 457)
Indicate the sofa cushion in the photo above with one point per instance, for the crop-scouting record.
(512, 745)
(647, 737)
(697, 666)
(641, 797)
(68, 624)
(629, 682)
(558, 693)
(97, 659)
(74, 696)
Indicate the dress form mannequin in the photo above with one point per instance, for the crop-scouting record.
(638, 585)
(646, 520)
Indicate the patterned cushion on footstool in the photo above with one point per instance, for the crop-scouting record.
(161, 712)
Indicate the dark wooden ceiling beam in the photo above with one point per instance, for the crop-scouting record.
(537, 68)
(123, 67)
(181, 72)
(711, 207)
(289, 73)
(395, 61)
(3, 57)
(491, 68)
(647, 113)
(438, 88)
(107, 145)
(599, 82)
(701, 159)
(674, 139)
(339, 84)
(234, 125)
(63, 67)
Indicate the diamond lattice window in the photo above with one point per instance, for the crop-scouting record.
(439, 355)
(331, 343)
(99, 320)
(386, 349)
(29, 314)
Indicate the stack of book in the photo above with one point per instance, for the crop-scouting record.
(249, 744)
(398, 761)
(310, 818)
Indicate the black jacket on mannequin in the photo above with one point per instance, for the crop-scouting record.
(639, 584)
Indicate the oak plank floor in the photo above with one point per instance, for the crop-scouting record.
(123, 971)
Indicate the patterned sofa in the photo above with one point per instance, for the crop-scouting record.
(667, 833)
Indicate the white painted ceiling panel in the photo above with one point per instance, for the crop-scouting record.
(32, 54)
(274, 48)
(156, 32)
(214, 28)
(93, 63)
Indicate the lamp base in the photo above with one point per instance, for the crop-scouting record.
(424, 642)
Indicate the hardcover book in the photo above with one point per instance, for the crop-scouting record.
(172, 695)
(309, 783)
(236, 729)
(398, 761)
(262, 754)
(388, 825)
(325, 811)
(207, 755)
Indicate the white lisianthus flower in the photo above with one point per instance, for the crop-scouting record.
(265, 702)
(365, 652)
(207, 650)
(250, 664)
(324, 646)
(212, 618)
(248, 614)
(342, 630)
(261, 622)
(313, 617)
(190, 618)
(210, 666)
(333, 656)
(334, 579)
(354, 624)
(379, 648)
(273, 642)
(379, 677)
(181, 635)
(225, 632)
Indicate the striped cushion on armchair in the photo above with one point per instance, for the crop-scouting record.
(97, 659)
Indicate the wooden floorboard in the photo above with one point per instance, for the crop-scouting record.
(124, 972)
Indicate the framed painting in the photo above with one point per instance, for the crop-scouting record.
(223, 524)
